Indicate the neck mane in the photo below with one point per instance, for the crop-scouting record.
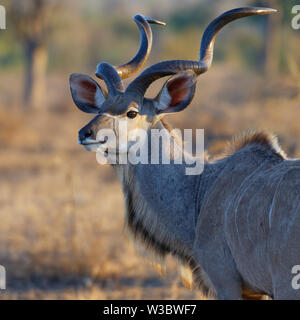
(156, 218)
(162, 204)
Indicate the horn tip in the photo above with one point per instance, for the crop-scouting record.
(269, 10)
(266, 10)
(154, 21)
(254, 10)
(159, 22)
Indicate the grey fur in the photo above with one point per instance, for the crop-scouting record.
(235, 226)
(218, 222)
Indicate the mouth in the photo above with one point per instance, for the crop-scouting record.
(90, 142)
(98, 146)
(91, 145)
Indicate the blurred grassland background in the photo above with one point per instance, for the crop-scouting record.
(61, 213)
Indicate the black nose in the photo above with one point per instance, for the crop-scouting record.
(85, 133)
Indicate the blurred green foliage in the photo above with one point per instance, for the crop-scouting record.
(196, 16)
(85, 34)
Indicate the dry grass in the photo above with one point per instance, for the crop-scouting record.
(61, 213)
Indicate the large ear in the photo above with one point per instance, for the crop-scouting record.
(86, 93)
(176, 94)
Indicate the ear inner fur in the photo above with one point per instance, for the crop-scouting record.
(87, 91)
(177, 89)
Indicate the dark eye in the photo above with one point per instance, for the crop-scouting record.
(131, 114)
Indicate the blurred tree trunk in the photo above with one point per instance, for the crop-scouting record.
(36, 58)
(33, 22)
(271, 52)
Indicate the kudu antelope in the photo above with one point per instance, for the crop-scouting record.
(236, 225)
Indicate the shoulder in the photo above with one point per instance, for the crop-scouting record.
(261, 141)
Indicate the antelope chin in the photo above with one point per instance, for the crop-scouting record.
(94, 147)
(109, 156)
